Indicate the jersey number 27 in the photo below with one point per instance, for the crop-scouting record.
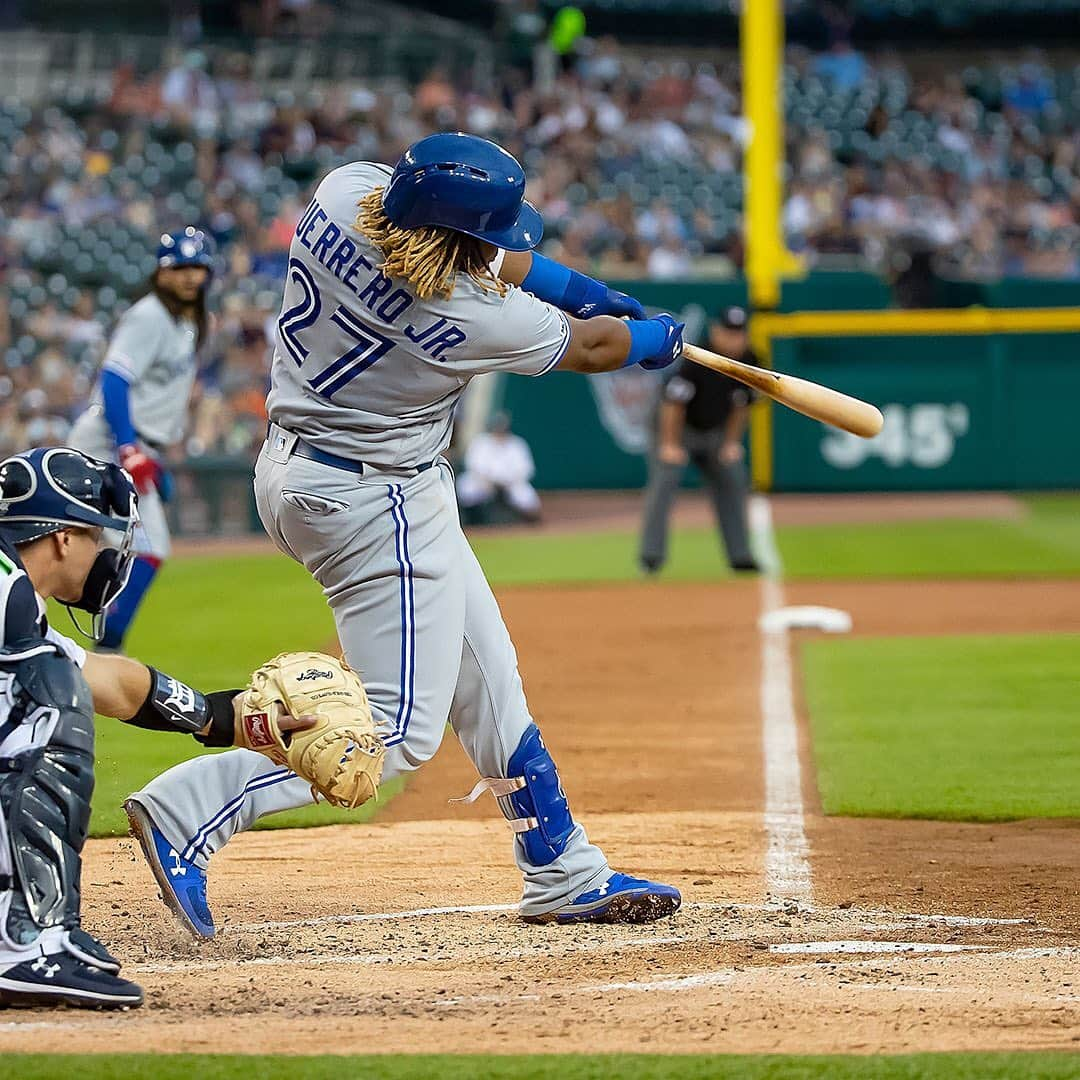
(370, 346)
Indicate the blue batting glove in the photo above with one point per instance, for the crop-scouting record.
(620, 305)
(671, 348)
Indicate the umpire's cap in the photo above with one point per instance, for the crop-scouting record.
(467, 184)
(189, 247)
(733, 318)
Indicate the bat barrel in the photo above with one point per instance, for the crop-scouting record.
(809, 398)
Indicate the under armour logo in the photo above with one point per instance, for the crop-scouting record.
(43, 967)
(179, 870)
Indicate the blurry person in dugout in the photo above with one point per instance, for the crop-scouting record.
(702, 419)
(496, 484)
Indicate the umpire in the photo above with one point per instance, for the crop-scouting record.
(702, 418)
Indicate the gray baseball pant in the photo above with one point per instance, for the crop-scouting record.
(417, 620)
(728, 487)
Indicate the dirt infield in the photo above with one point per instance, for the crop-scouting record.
(916, 935)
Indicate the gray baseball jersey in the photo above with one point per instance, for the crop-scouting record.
(155, 354)
(366, 370)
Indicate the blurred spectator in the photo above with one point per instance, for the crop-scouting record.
(498, 470)
(634, 160)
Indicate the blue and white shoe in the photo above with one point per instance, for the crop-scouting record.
(621, 899)
(182, 883)
(64, 979)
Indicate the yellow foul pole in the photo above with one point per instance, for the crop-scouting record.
(762, 50)
(761, 39)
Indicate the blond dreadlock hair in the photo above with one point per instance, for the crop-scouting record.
(428, 258)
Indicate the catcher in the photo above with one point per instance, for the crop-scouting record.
(66, 529)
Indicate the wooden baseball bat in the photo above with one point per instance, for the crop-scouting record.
(810, 398)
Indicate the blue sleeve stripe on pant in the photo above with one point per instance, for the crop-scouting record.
(197, 842)
(407, 685)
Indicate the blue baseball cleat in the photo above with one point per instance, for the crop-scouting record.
(182, 883)
(621, 899)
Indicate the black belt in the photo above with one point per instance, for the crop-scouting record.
(324, 457)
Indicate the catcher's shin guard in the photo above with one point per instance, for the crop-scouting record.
(46, 780)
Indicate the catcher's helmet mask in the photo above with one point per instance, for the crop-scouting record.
(45, 490)
(462, 182)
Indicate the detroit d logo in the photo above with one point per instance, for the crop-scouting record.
(181, 699)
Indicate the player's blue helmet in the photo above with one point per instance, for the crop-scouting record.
(465, 183)
(189, 247)
(43, 491)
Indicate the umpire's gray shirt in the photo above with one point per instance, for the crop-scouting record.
(364, 369)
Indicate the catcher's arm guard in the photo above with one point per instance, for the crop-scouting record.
(340, 755)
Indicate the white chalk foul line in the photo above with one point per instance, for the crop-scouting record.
(373, 916)
(879, 917)
(787, 865)
(828, 948)
(374, 959)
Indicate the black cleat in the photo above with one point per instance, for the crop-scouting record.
(62, 979)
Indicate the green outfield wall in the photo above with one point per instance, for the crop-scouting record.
(973, 398)
(978, 397)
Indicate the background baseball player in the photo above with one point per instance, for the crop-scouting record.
(702, 418)
(140, 406)
(403, 284)
(67, 525)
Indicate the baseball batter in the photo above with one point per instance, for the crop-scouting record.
(140, 406)
(402, 285)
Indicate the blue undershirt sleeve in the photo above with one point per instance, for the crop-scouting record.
(114, 393)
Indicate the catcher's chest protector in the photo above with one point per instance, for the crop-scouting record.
(46, 780)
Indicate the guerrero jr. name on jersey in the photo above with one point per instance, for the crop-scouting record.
(341, 255)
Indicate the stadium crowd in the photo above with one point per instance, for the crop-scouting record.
(633, 161)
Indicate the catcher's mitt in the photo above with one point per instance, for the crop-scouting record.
(341, 756)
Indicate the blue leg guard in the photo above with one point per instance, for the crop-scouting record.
(537, 810)
(122, 611)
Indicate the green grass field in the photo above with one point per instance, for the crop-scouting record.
(211, 621)
(554, 1067)
(977, 728)
(1044, 543)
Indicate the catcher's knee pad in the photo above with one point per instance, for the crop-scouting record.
(46, 780)
(537, 811)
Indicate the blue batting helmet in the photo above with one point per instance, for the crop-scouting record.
(190, 247)
(467, 184)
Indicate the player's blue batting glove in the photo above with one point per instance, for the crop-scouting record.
(618, 304)
(655, 343)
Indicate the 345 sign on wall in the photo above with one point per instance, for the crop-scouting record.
(921, 436)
